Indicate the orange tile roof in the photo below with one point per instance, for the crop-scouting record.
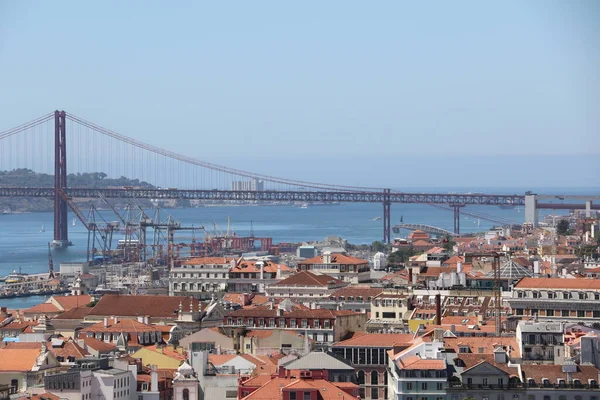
(208, 260)
(487, 343)
(68, 302)
(357, 291)
(335, 259)
(18, 326)
(43, 308)
(120, 325)
(306, 278)
(558, 283)
(153, 306)
(272, 389)
(416, 362)
(376, 340)
(18, 359)
(554, 372)
(44, 396)
(75, 313)
(98, 345)
(247, 266)
(168, 351)
(220, 359)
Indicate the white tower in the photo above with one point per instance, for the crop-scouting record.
(185, 383)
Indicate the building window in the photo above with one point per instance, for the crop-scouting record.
(361, 377)
(306, 396)
(519, 311)
(409, 386)
(485, 381)
(374, 378)
(565, 313)
(292, 395)
(282, 322)
(423, 385)
(580, 313)
(549, 313)
(186, 394)
(316, 323)
(440, 386)
(374, 393)
(293, 323)
(304, 323)
(271, 322)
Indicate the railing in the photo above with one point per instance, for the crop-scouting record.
(463, 386)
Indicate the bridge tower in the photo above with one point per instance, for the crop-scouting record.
(61, 233)
(387, 216)
(456, 208)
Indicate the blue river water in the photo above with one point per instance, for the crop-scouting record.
(23, 244)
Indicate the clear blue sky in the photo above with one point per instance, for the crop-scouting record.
(399, 93)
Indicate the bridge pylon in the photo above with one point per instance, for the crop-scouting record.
(61, 230)
(387, 216)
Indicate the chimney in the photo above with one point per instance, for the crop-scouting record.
(410, 276)
(278, 276)
(438, 309)
(106, 322)
(154, 379)
(536, 267)
(458, 267)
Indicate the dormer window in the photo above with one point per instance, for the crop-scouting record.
(546, 382)
(566, 295)
(535, 295)
(576, 383)
(561, 383)
(531, 382)
(463, 349)
(593, 383)
(582, 296)
(551, 295)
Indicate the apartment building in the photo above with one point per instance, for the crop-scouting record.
(340, 266)
(305, 287)
(200, 277)
(557, 299)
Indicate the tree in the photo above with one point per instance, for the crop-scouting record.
(562, 228)
(448, 243)
(377, 246)
(401, 255)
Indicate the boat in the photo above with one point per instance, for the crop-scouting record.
(73, 223)
(376, 219)
(304, 205)
(15, 277)
(42, 230)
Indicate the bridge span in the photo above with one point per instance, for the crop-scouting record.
(90, 147)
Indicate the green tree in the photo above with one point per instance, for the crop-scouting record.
(377, 246)
(448, 243)
(401, 255)
(562, 228)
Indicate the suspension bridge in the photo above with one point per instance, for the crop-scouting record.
(46, 144)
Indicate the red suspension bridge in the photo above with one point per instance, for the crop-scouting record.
(165, 174)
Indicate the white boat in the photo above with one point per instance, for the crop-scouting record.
(73, 223)
(377, 219)
(42, 230)
(304, 205)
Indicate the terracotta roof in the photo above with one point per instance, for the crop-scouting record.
(558, 283)
(153, 306)
(244, 266)
(208, 260)
(98, 345)
(272, 389)
(554, 372)
(416, 362)
(18, 326)
(376, 340)
(168, 351)
(335, 259)
(44, 396)
(43, 308)
(75, 313)
(120, 325)
(486, 344)
(69, 349)
(68, 302)
(471, 360)
(306, 278)
(18, 359)
(220, 359)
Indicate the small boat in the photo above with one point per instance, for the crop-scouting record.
(73, 223)
(376, 219)
(304, 205)
(42, 230)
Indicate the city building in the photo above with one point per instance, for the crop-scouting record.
(340, 266)
(324, 327)
(557, 299)
(249, 276)
(305, 287)
(367, 353)
(541, 342)
(25, 367)
(200, 277)
(252, 185)
(388, 311)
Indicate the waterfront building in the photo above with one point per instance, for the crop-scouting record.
(56, 305)
(340, 266)
(200, 277)
(557, 299)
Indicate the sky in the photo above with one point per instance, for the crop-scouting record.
(389, 93)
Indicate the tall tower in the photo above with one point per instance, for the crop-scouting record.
(61, 233)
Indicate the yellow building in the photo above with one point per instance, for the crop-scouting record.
(420, 317)
(164, 357)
